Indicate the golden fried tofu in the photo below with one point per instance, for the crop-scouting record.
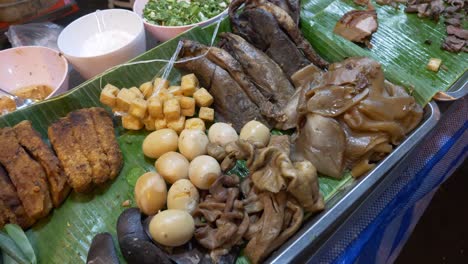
(149, 123)
(189, 84)
(31, 140)
(155, 107)
(109, 95)
(146, 89)
(160, 84)
(26, 174)
(203, 97)
(138, 108)
(132, 123)
(160, 123)
(85, 135)
(75, 164)
(206, 113)
(105, 131)
(124, 99)
(175, 90)
(177, 125)
(171, 110)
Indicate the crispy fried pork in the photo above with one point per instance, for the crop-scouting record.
(75, 163)
(11, 209)
(26, 174)
(85, 143)
(105, 133)
(88, 140)
(31, 140)
(4, 214)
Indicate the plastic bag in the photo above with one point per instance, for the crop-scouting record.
(34, 34)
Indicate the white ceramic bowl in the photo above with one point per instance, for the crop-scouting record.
(163, 33)
(33, 65)
(73, 37)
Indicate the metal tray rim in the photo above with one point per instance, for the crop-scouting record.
(458, 90)
(317, 227)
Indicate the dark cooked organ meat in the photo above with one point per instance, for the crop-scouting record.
(26, 174)
(357, 25)
(11, 209)
(31, 140)
(85, 144)
(75, 163)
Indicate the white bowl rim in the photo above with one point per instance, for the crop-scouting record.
(178, 27)
(141, 29)
(60, 54)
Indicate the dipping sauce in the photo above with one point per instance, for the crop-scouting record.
(35, 92)
(104, 42)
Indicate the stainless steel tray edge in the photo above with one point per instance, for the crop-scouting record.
(339, 207)
(458, 90)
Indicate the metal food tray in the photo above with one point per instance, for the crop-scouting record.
(458, 90)
(317, 228)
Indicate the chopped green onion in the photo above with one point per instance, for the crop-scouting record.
(181, 12)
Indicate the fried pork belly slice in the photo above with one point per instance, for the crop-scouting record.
(105, 132)
(31, 140)
(85, 135)
(11, 209)
(74, 162)
(26, 174)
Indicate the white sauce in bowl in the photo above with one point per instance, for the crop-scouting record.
(104, 42)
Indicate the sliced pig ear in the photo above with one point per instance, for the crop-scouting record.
(333, 101)
(322, 141)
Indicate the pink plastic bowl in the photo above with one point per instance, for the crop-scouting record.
(164, 33)
(33, 65)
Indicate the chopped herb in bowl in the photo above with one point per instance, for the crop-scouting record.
(182, 12)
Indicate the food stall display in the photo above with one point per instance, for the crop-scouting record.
(221, 150)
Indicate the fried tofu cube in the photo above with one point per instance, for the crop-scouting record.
(138, 108)
(137, 92)
(203, 97)
(109, 95)
(187, 106)
(175, 90)
(147, 89)
(131, 123)
(187, 111)
(206, 113)
(165, 95)
(155, 107)
(160, 84)
(189, 84)
(186, 102)
(434, 64)
(177, 125)
(124, 99)
(195, 123)
(171, 109)
(160, 123)
(149, 123)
